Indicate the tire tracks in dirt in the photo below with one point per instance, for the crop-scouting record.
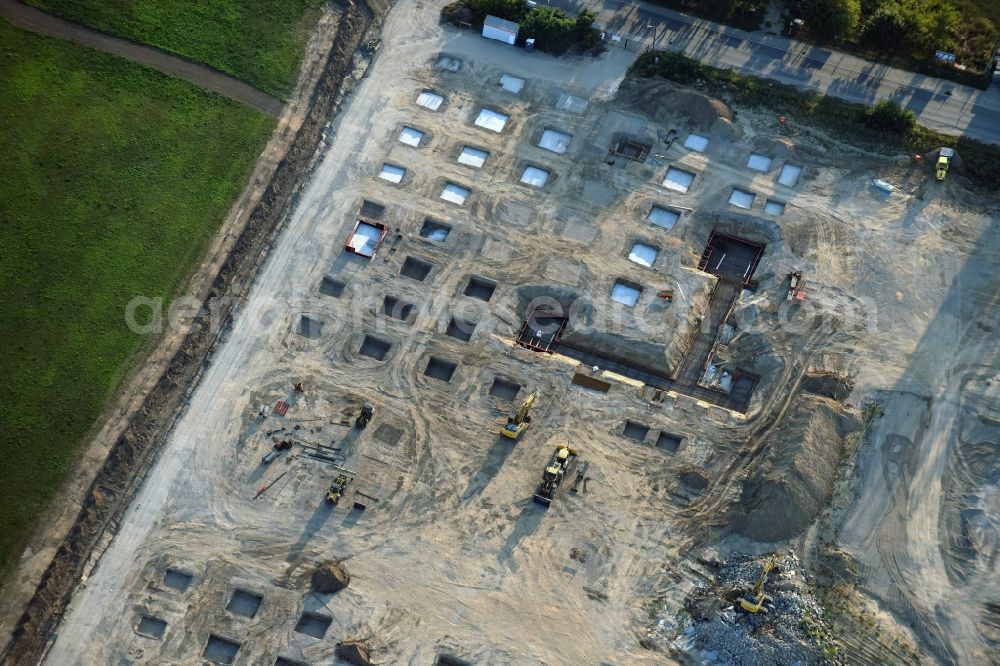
(35, 20)
(135, 448)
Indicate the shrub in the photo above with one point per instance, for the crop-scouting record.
(670, 65)
(887, 116)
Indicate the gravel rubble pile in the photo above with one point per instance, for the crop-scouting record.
(790, 632)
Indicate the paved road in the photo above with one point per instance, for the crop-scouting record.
(205, 77)
(965, 110)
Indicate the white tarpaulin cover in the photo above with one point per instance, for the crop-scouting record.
(741, 198)
(789, 175)
(696, 142)
(491, 120)
(454, 193)
(557, 142)
(392, 173)
(774, 207)
(644, 255)
(678, 180)
(759, 162)
(511, 84)
(365, 239)
(430, 100)
(662, 217)
(534, 176)
(473, 156)
(410, 136)
(625, 294)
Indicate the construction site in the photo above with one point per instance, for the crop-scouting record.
(550, 365)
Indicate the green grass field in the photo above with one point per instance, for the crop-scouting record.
(259, 41)
(115, 179)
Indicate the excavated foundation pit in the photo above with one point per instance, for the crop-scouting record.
(415, 269)
(504, 389)
(177, 580)
(397, 309)
(668, 442)
(630, 149)
(219, 650)
(460, 329)
(480, 288)
(439, 368)
(151, 627)
(330, 287)
(375, 348)
(310, 327)
(636, 431)
(313, 625)
(434, 230)
(244, 603)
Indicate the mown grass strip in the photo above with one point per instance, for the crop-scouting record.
(116, 178)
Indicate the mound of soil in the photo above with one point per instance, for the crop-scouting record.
(329, 578)
(355, 651)
(794, 481)
(664, 102)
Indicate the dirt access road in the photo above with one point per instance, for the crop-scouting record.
(35, 20)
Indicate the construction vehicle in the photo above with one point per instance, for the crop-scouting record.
(519, 423)
(794, 286)
(554, 473)
(365, 417)
(338, 488)
(757, 597)
(945, 156)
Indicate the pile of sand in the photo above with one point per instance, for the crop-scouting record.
(665, 102)
(355, 651)
(330, 577)
(794, 479)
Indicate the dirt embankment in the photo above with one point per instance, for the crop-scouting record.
(795, 478)
(134, 449)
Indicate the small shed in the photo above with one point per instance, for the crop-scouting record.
(500, 29)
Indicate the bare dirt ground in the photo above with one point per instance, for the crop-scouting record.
(448, 557)
(35, 20)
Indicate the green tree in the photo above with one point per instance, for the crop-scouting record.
(886, 29)
(830, 20)
(553, 31)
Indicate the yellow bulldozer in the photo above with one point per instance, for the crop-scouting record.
(518, 423)
(554, 473)
(755, 603)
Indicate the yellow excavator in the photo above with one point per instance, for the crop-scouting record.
(518, 424)
(757, 597)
